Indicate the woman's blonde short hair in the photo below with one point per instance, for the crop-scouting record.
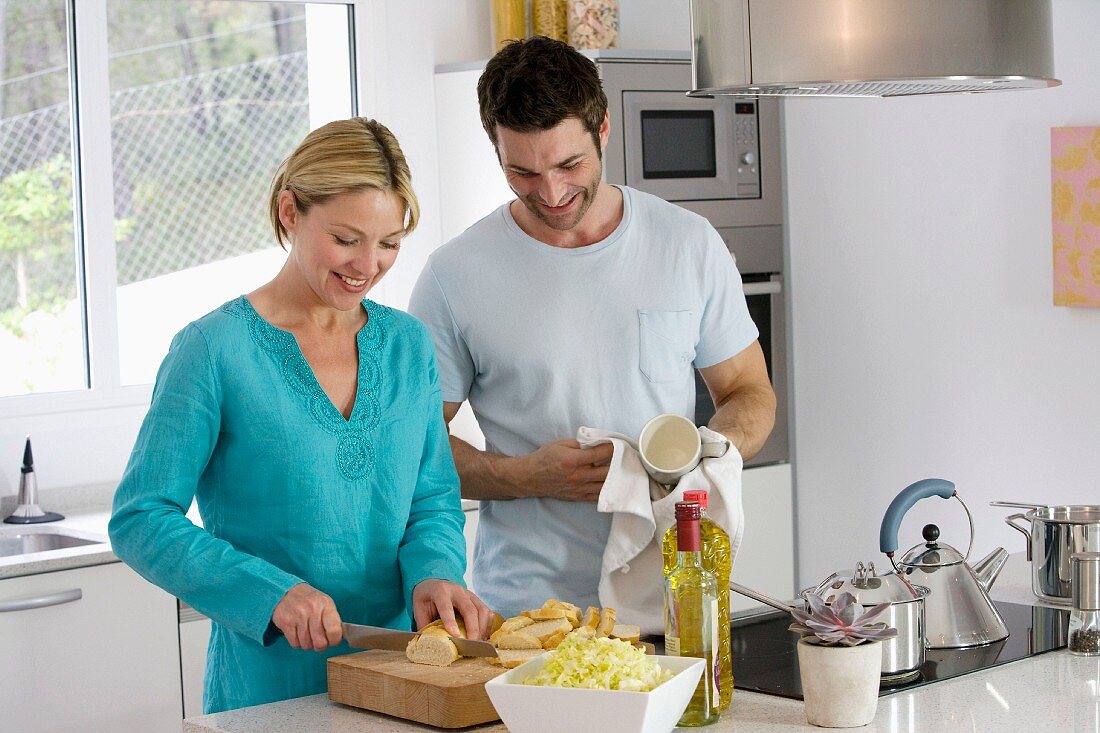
(344, 156)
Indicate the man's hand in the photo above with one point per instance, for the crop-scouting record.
(435, 598)
(308, 619)
(564, 470)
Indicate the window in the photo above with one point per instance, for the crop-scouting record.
(40, 319)
(195, 104)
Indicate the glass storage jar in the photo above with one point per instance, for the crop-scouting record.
(548, 19)
(509, 21)
(1084, 619)
(593, 23)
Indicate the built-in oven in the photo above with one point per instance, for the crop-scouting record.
(720, 159)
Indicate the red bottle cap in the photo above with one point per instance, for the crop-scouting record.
(688, 510)
(697, 495)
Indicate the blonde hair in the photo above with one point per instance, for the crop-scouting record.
(344, 156)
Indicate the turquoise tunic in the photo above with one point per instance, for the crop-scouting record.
(289, 491)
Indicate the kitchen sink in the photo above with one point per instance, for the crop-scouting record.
(30, 539)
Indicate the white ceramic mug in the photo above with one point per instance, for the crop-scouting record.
(670, 446)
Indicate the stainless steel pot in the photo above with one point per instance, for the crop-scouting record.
(903, 655)
(1055, 534)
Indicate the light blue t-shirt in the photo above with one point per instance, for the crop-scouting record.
(543, 340)
(362, 508)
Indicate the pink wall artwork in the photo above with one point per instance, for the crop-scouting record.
(1075, 204)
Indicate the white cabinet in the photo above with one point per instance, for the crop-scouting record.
(765, 560)
(194, 639)
(91, 649)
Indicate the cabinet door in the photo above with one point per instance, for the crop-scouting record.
(194, 639)
(765, 560)
(103, 656)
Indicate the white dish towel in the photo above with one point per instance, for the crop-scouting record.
(632, 575)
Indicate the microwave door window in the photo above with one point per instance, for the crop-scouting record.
(678, 144)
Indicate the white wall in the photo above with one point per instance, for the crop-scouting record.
(925, 339)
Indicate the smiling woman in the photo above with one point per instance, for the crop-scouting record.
(308, 424)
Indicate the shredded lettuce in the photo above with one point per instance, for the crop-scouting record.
(600, 664)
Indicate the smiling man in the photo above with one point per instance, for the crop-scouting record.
(577, 303)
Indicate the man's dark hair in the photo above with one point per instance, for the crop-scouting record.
(534, 84)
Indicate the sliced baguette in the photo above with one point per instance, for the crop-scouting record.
(551, 642)
(543, 630)
(432, 648)
(555, 603)
(591, 618)
(547, 614)
(626, 632)
(607, 621)
(512, 658)
(516, 622)
(518, 640)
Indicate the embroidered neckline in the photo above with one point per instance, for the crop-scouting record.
(354, 450)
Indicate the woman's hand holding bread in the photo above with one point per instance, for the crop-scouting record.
(434, 598)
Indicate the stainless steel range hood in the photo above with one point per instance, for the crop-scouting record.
(869, 48)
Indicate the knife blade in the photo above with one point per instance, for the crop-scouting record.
(374, 637)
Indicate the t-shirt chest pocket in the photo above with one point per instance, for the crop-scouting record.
(666, 343)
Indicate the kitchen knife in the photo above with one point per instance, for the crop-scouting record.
(374, 637)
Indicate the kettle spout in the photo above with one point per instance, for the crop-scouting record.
(989, 567)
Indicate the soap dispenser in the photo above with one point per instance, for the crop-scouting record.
(28, 511)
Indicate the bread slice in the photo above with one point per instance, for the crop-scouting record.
(432, 648)
(583, 632)
(498, 621)
(591, 618)
(551, 642)
(516, 622)
(543, 630)
(517, 640)
(626, 632)
(512, 658)
(554, 603)
(607, 622)
(547, 614)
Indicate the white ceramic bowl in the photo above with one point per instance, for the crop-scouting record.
(536, 709)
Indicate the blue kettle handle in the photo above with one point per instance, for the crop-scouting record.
(910, 495)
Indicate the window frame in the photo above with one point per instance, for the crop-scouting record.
(93, 200)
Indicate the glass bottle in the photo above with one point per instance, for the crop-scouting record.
(1084, 619)
(691, 615)
(717, 559)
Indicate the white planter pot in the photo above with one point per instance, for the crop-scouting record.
(840, 683)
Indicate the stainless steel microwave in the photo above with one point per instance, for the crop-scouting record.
(718, 157)
(683, 149)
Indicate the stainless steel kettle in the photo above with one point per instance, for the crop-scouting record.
(958, 611)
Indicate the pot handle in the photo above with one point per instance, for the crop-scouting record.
(1009, 521)
(910, 495)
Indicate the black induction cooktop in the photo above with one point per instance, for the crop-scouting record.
(764, 657)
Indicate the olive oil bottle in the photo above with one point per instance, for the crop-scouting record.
(691, 615)
(717, 560)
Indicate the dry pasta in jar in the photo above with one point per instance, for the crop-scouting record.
(593, 23)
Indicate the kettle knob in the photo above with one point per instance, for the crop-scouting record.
(931, 533)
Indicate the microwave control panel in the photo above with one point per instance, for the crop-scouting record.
(746, 149)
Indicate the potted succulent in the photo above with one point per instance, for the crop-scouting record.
(840, 658)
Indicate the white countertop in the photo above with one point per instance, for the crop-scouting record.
(1051, 692)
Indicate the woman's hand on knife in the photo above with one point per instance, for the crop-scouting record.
(308, 619)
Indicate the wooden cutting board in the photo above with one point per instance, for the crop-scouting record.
(387, 682)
